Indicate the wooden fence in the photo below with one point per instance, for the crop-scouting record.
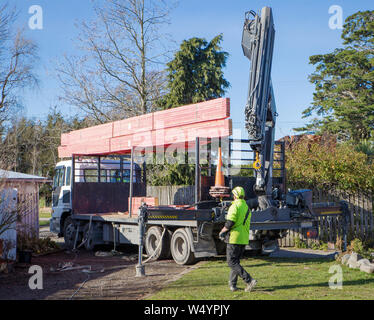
(360, 207)
(330, 228)
(172, 194)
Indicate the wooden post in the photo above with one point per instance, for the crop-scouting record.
(98, 169)
(197, 170)
(131, 180)
(72, 182)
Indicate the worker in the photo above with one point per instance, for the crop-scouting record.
(236, 234)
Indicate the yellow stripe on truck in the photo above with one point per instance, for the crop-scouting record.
(330, 212)
(162, 217)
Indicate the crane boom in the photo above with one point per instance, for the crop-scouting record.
(260, 110)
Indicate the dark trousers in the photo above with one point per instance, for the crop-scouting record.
(234, 252)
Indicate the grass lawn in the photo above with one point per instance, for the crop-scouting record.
(278, 279)
(44, 213)
(43, 223)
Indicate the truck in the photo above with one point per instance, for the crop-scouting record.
(92, 194)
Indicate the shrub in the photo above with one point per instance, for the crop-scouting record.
(28, 241)
(321, 165)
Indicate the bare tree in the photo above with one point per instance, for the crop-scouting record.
(121, 74)
(17, 60)
(7, 17)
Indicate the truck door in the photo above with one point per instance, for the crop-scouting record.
(61, 194)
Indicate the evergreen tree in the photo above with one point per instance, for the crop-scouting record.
(343, 79)
(195, 74)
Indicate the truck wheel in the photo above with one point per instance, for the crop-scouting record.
(88, 237)
(153, 238)
(269, 247)
(181, 248)
(70, 231)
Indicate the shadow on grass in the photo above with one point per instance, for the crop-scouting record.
(260, 289)
(264, 261)
(293, 254)
(224, 265)
(295, 260)
(321, 284)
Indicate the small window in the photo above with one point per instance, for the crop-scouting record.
(68, 176)
(90, 175)
(115, 176)
(126, 175)
(103, 175)
(61, 178)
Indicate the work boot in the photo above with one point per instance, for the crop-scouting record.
(234, 288)
(250, 285)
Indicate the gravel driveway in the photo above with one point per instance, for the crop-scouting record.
(110, 277)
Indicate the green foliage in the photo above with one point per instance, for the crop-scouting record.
(171, 175)
(171, 169)
(343, 79)
(299, 243)
(364, 248)
(244, 170)
(365, 146)
(357, 246)
(315, 245)
(30, 146)
(195, 74)
(322, 165)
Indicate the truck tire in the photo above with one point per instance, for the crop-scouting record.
(69, 233)
(181, 248)
(153, 238)
(269, 247)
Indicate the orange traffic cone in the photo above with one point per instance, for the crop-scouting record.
(219, 191)
(220, 179)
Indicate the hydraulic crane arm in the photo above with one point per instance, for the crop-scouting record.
(260, 109)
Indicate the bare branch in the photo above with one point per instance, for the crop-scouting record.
(17, 60)
(119, 74)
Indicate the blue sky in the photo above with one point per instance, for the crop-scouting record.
(302, 30)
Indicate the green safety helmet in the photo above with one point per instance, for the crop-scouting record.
(238, 192)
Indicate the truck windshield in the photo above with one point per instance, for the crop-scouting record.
(58, 178)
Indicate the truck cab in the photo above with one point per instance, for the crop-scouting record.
(85, 171)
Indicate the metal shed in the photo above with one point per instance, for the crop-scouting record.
(27, 187)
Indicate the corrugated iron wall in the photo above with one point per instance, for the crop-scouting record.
(27, 206)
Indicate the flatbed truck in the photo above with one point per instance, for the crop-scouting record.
(92, 198)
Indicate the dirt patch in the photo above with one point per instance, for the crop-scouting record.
(112, 277)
